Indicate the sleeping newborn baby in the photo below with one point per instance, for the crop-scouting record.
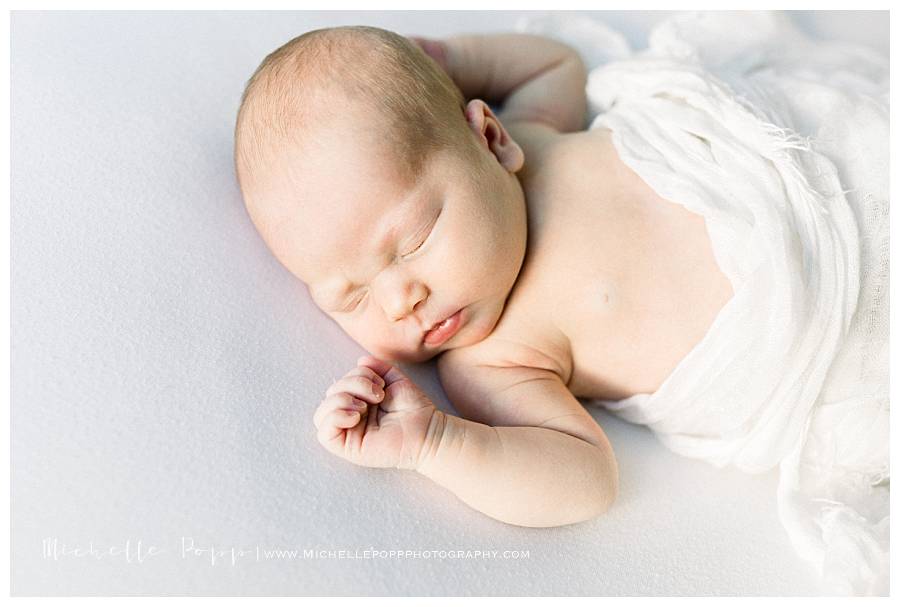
(511, 245)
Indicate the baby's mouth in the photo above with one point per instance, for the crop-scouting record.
(444, 330)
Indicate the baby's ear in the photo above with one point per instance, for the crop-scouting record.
(493, 136)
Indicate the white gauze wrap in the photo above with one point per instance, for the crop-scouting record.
(781, 144)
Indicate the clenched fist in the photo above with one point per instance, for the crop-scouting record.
(375, 416)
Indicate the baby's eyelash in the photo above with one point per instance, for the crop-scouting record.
(427, 235)
(355, 304)
(418, 246)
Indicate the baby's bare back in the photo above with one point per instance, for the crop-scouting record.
(618, 284)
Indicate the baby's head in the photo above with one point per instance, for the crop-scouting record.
(371, 180)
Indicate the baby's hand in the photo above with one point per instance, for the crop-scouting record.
(436, 49)
(374, 416)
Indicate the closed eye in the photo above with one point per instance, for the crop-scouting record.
(353, 306)
(425, 239)
(418, 246)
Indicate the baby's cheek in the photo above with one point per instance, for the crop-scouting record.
(370, 330)
(457, 260)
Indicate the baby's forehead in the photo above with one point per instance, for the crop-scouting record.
(327, 186)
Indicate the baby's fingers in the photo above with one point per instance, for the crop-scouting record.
(338, 402)
(333, 426)
(360, 386)
(366, 371)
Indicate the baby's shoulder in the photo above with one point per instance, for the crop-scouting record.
(497, 350)
(550, 156)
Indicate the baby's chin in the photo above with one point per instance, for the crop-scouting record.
(410, 358)
(424, 354)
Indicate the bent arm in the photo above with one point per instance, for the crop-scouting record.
(535, 78)
(529, 476)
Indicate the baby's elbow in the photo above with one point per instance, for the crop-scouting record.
(609, 499)
(608, 485)
(599, 494)
(579, 67)
(601, 499)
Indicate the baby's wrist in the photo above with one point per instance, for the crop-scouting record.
(444, 434)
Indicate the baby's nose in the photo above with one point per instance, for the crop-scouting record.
(405, 298)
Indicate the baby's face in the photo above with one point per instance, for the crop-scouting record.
(387, 256)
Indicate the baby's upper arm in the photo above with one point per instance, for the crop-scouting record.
(555, 98)
(515, 396)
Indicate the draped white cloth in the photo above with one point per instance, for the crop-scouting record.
(781, 144)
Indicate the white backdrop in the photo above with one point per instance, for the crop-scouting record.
(165, 368)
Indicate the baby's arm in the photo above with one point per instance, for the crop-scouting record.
(531, 455)
(538, 460)
(536, 78)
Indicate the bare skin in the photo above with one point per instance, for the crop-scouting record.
(618, 284)
(598, 290)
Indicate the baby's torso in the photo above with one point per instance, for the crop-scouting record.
(618, 284)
